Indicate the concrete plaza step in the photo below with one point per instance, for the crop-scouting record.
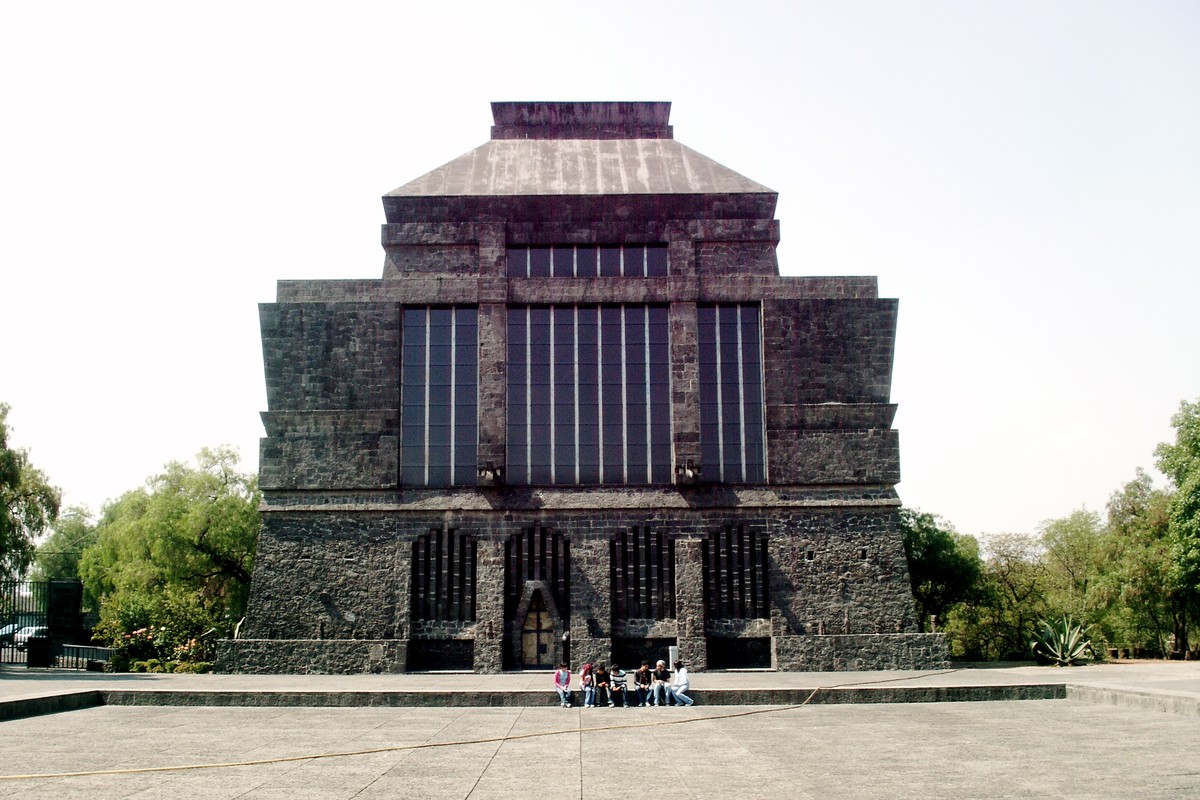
(1162, 686)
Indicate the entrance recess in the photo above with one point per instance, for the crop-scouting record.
(537, 634)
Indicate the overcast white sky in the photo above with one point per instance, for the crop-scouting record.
(1024, 177)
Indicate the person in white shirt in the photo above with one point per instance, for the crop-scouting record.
(680, 685)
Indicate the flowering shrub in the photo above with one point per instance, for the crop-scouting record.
(165, 628)
(158, 665)
(141, 644)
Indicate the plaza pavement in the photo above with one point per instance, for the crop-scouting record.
(1123, 729)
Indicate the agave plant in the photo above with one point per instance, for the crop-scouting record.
(1062, 643)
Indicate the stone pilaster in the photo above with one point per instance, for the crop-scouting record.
(685, 387)
(685, 380)
(689, 603)
(489, 606)
(493, 345)
(493, 403)
(591, 603)
(401, 603)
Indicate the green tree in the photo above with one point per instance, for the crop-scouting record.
(58, 555)
(1075, 554)
(1146, 600)
(943, 565)
(28, 505)
(176, 554)
(1180, 461)
(1002, 618)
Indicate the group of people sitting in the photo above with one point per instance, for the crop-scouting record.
(650, 687)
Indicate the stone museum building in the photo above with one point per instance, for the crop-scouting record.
(580, 416)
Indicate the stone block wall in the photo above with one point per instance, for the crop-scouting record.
(330, 576)
(346, 576)
(829, 350)
(839, 572)
(861, 652)
(310, 656)
(331, 356)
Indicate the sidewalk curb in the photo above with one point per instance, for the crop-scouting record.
(1124, 698)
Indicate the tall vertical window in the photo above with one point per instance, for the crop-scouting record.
(589, 395)
(731, 395)
(588, 261)
(439, 374)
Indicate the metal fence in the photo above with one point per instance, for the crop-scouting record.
(54, 610)
(78, 656)
(23, 604)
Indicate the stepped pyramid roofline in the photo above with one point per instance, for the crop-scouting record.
(604, 148)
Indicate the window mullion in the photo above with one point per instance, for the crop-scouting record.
(624, 404)
(600, 415)
(428, 380)
(528, 395)
(646, 346)
(553, 393)
(719, 393)
(575, 351)
(741, 391)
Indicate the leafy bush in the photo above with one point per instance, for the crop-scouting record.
(170, 625)
(178, 667)
(1061, 643)
(139, 646)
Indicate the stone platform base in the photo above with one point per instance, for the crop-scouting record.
(861, 652)
(374, 656)
(311, 656)
(450, 698)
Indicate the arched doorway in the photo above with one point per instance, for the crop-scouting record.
(537, 634)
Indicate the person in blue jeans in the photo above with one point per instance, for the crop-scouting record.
(681, 685)
(562, 684)
(643, 679)
(620, 691)
(603, 685)
(587, 682)
(661, 684)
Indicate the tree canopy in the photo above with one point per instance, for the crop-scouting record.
(1130, 577)
(1180, 461)
(943, 565)
(58, 555)
(1146, 601)
(177, 553)
(28, 505)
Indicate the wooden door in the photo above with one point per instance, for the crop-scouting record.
(536, 635)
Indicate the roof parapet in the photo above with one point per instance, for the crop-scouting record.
(592, 120)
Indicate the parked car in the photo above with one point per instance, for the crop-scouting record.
(22, 636)
(8, 631)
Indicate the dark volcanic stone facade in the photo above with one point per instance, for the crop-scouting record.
(361, 570)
